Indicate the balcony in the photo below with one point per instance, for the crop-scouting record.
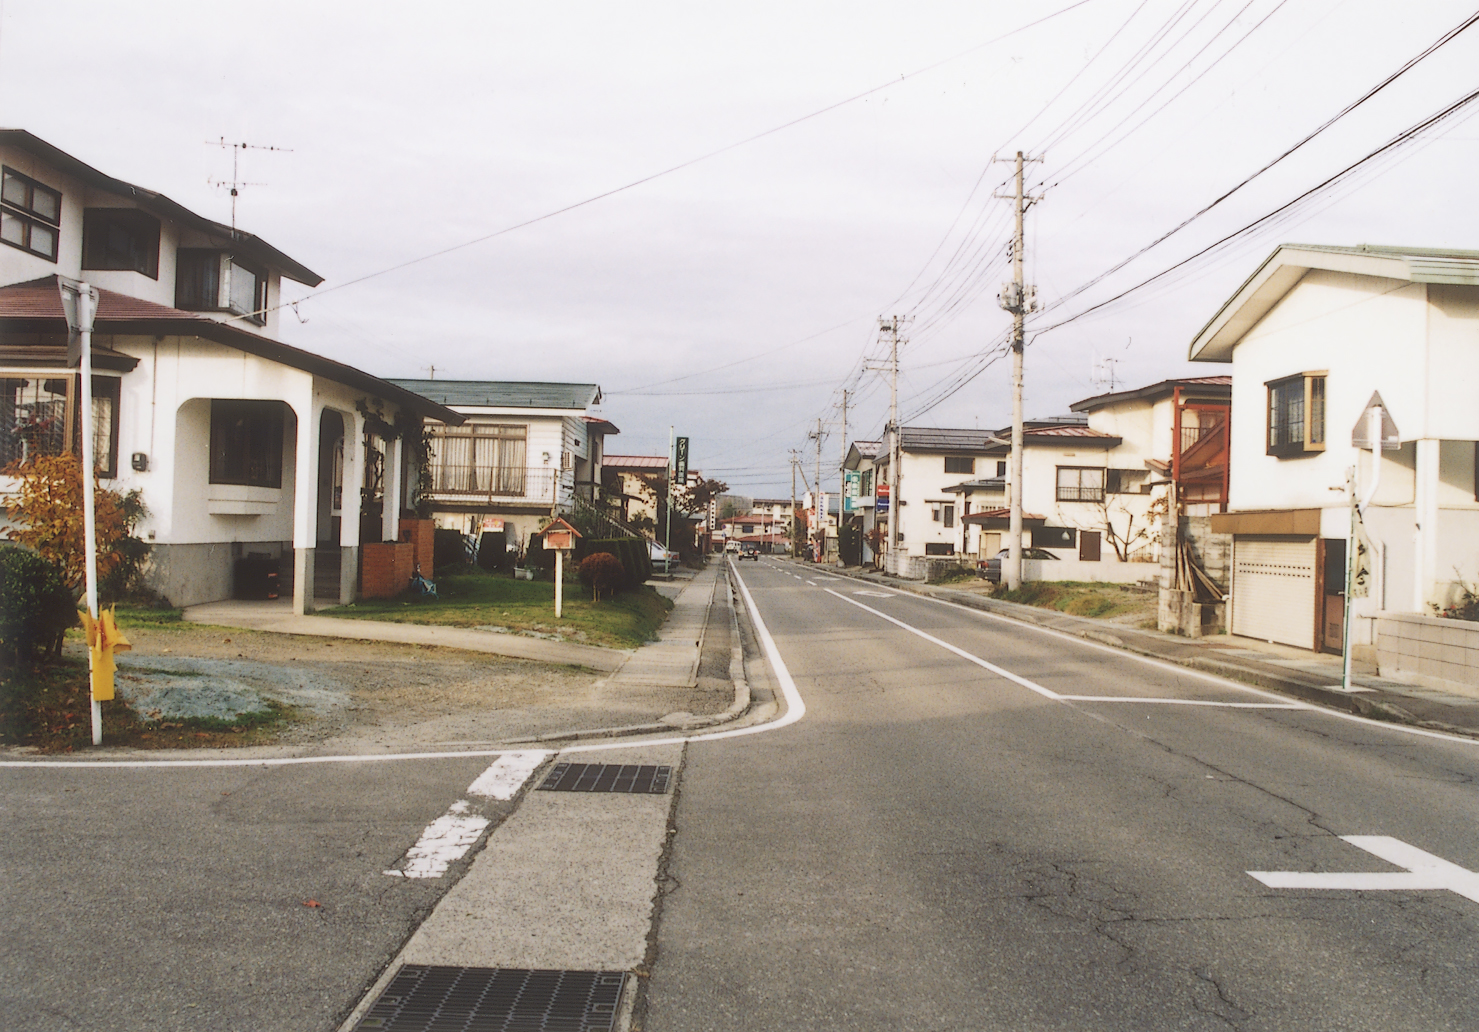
(537, 485)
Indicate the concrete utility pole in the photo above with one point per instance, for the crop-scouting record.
(792, 527)
(842, 481)
(1019, 299)
(891, 327)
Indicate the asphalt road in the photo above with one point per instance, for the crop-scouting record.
(939, 846)
(179, 898)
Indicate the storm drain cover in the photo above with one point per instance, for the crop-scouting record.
(642, 779)
(426, 998)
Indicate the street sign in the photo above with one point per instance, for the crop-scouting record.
(680, 462)
(852, 487)
(880, 505)
(1391, 440)
(79, 316)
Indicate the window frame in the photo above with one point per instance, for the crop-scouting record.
(1312, 399)
(1078, 495)
(95, 221)
(29, 216)
(272, 415)
(105, 461)
(258, 313)
(968, 460)
(1115, 482)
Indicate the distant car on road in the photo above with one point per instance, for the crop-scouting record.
(749, 552)
(663, 559)
(991, 568)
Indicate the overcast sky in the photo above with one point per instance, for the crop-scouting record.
(411, 129)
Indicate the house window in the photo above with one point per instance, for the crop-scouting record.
(33, 417)
(1296, 415)
(937, 547)
(949, 516)
(481, 458)
(1128, 481)
(212, 281)
(1001, 468)
(1080, 484)
(865, 485)
(105, 393)
(30, 214)
(960, 464)
(246, 443)
(120, 238)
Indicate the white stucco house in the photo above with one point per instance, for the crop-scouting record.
(240, 445)
(522, 451)
(1312, 335)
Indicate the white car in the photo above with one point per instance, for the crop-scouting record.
(663, 559)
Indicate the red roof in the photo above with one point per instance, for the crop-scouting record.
(635, 462)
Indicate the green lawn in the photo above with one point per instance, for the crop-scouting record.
(1082, 598)
(496, 600)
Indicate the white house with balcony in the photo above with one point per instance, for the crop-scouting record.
(521, 452)
(1313, 337)
(241, 446)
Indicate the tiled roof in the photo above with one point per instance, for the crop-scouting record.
(505, 393)
(1204, 385)
(977, 442)
(987, 515)
(868, 449)
(36, 305)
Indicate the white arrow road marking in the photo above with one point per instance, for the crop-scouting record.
(1423, 870)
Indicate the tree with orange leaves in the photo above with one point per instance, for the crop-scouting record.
(47, 513)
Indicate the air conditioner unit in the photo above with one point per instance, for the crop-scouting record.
(567, 460)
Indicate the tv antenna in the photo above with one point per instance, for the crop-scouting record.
(236, 182)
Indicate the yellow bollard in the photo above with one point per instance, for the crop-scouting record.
(103, 639)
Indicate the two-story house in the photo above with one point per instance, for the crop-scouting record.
(520, 453)
(1314, 337)
(241, 445)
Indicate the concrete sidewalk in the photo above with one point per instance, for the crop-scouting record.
(1311, 676)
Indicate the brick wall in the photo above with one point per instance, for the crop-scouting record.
(385, 568)
(421, 534)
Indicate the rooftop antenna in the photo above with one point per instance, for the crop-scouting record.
(236, 183)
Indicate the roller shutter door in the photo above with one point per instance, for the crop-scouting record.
(1273, 590)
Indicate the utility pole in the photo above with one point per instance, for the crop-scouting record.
(819, 533)
(1019, 299)
(842, 481)
(891, 327)
(792, 527)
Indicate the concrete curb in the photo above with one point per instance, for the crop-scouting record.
(1302, 688)
(736, 709)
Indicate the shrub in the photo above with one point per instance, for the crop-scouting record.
(632, 553)
(493, 550)
(47, 512)
(448, 549)
(36, 607)
(602, 572)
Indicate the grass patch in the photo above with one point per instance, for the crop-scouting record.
(130, 615)
(49, 710)
(1079, 598)
(496, 600)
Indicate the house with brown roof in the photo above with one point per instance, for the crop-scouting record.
(245, 449)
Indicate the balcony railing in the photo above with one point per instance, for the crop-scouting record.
(496, 483)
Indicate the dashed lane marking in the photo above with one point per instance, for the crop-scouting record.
(507, 775)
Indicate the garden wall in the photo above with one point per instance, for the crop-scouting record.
(1429, 649)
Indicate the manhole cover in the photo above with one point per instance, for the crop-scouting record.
(643, 779)
(425, 998)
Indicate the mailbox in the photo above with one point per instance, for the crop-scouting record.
(560, 535)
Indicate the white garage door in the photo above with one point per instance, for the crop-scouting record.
(1273, 591)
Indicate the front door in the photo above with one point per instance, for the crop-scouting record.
(1088, 546)
(1333, 620)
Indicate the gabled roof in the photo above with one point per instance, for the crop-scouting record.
(988, 484)
(1203, 386)
(35, 307)
(979, 442)
(940, 439)
(1287, 265)
(151, 200)
(534, 394)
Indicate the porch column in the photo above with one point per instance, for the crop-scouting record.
(1425, 514)
(305, 503)
(390, 524)
(349, 506)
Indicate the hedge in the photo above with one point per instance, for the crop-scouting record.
(35, 607)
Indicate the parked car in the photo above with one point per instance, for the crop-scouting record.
(991, 568)
(664, 560)
(749, 552)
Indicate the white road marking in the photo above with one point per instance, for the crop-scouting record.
(273, 761)
(1421, 870)
(507, 774)
(1181, 702)
(962, 653)
(445, 841)
(875, 594)
(812, 583)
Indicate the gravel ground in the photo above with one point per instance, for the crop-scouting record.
(369, 696)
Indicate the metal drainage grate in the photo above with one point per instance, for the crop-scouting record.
(644, 779)
(426, 998)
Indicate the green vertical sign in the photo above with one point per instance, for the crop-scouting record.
(680, 462)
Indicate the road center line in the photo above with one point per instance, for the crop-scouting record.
(962, 653)
(1181, 702)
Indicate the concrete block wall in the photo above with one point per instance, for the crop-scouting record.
(1429, 649)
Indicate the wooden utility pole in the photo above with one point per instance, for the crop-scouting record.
(1019, 299)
